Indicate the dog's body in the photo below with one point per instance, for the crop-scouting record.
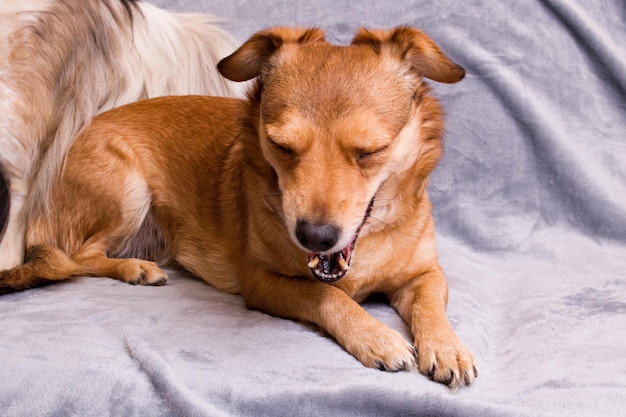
(306, 199)
(64, 61)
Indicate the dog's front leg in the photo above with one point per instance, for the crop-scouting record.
(441, 354)
(367, 339)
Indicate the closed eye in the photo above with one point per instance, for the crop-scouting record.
(363, 154)
(282, 148)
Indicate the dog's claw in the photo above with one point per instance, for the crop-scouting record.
(466, 379)
(402, 366)
(449, 379)
(432, 371)
(162, 280)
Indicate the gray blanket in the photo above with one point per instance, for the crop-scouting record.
(530, 205)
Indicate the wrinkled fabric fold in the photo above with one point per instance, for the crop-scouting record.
(530, 209)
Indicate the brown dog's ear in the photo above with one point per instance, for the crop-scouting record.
(413, 46)
(246, 62)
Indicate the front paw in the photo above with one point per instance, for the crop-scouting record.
(444, 358)
(383, 348)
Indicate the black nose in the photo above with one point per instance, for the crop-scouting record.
(317, 238)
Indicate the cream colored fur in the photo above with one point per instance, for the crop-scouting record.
(64, 61)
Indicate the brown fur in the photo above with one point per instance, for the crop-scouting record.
(64, 61)
(223, 187)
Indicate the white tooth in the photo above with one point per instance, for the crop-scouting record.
(343, 264)
(313, 263)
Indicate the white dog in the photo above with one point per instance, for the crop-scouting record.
(64, 61)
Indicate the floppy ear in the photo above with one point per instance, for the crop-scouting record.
(414, 47)
(247, 61)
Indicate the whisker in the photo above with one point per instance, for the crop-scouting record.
(277, 208)
(391, 226)
(261, 196)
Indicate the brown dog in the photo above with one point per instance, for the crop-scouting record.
(306, 199)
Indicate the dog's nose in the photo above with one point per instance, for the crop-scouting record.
(317, 238)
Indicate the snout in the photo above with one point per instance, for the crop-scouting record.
(317, 238)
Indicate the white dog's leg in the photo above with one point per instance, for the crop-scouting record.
(12, 244)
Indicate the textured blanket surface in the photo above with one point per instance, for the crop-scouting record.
(530, 206)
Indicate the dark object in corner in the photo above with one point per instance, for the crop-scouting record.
(4, 203)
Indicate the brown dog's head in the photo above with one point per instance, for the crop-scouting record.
(337, 122)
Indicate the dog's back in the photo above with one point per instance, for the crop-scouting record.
(126, 189)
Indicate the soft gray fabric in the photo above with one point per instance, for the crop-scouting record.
(530, 203)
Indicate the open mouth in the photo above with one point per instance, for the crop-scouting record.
(334, 266)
